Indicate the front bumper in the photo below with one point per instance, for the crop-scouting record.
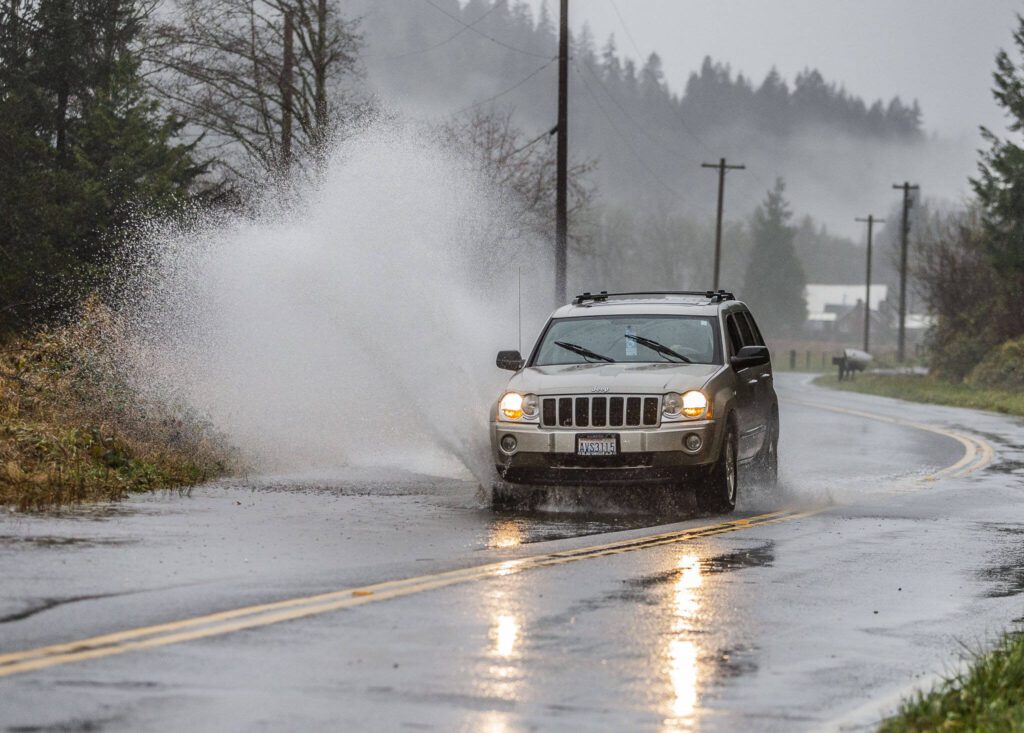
(648, 454)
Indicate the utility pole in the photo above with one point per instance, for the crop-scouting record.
(562, 159)
(901, 343)
(722, 167)
(287, 67)
(870, 221)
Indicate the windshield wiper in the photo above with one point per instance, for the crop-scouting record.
(658, 347)
(583, 351)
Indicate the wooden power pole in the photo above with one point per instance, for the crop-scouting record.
(870, 221)
(901, 343)
(722, 167)
(562, 159)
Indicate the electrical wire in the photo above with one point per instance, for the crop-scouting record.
(679, 119)
(629, 35)
(446, 41)
(507, 91)
(625, 139)
(468, 26)
(661, 143)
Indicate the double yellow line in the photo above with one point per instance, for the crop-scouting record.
(250, 617)
(977, 455)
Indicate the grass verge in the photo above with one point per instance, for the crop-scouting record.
(988, 697)
(74, 427)
(918, 388)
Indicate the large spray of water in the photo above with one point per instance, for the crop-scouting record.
(354, 325)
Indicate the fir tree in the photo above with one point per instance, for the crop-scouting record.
(775, 282)
(1000, 184)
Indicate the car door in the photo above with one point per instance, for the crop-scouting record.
(748, 420)
(765, 389)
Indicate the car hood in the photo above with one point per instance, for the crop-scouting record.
(611, 378)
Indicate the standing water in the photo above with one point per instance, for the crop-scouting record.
(355, 325)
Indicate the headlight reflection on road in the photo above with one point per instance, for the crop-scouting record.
(501, 672)
(504, 534)
(505, 633)
(681, 654)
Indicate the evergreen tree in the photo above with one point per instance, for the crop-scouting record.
(81, 147)
(775, 281)
(1000, 185)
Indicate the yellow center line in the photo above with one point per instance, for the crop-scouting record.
(977, 455)
(226, 622)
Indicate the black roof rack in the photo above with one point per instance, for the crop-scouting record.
(715, 296)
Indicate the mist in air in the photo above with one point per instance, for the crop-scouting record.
(354, 326)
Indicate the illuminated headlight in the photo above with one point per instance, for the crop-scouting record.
(695, 404)
(514, 406)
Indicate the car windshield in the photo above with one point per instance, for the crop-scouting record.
(630, 339)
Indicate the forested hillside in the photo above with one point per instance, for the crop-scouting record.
(836, 151)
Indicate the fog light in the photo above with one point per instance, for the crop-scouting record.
(509, 443)
(692, 442)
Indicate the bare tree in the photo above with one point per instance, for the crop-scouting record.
(260, 96)
(525, 168)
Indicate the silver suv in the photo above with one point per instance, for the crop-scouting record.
(667, 387)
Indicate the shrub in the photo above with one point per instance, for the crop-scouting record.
(1002, 368)
(74, 426)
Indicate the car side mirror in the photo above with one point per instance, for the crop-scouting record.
(750, 356)
(511, 360)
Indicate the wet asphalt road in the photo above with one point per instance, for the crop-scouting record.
(814, 623)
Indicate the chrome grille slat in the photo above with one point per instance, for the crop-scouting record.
(601, 411)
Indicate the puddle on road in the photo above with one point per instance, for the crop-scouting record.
(1006, 573)
(513, 530)
(55, 541)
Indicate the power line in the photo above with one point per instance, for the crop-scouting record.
(636, 123)
(625, 139)
(534, 141)
(469, 26)
(629, 35)
(446, 41)
(507, 91)
(682, 122)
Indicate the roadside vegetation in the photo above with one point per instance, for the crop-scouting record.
(73, 428)
(988, 697)
(968, 267)
(919, 388)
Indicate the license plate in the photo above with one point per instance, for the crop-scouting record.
(597, 445)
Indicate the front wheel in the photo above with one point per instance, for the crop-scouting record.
(718, 492)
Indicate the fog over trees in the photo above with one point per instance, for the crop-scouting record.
(190, 99)
(837, 152)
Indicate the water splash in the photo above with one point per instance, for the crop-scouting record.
(355, 325)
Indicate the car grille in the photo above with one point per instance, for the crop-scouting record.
(618, 411)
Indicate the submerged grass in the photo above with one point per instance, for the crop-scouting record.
(988, 697)
(920, 388)
(73, 428)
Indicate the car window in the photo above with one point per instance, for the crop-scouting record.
(619, 339)
(755, 332)
(735, 338)
(745, 332)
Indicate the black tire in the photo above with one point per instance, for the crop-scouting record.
(766, 465)
(718, 492)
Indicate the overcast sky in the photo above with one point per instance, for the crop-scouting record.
(940, 52)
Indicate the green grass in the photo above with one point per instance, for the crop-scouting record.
(917, 388)
(988, 697)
